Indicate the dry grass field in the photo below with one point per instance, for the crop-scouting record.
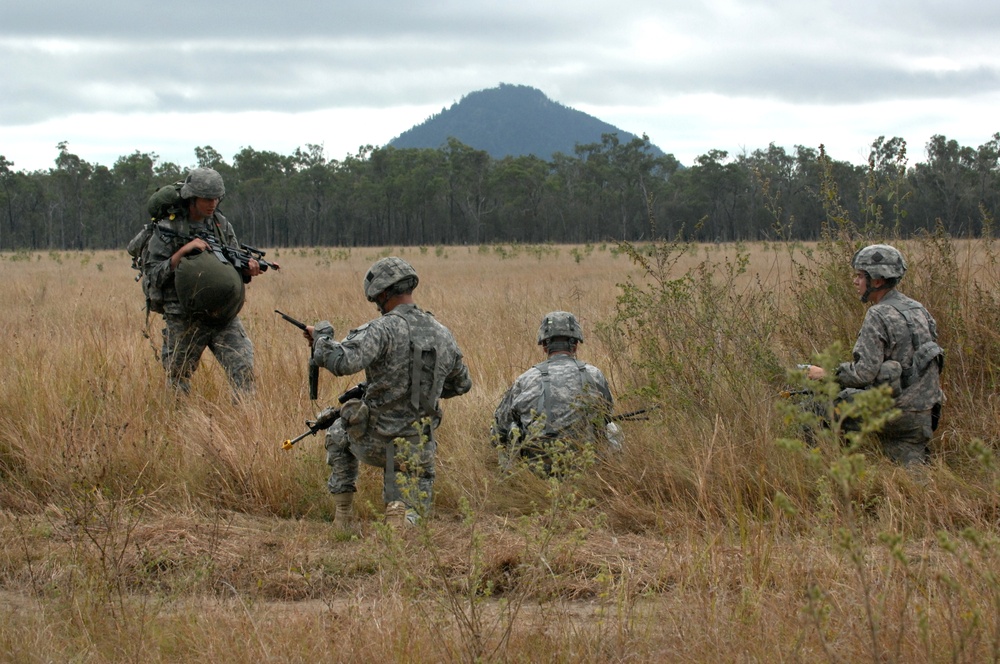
(138, 526)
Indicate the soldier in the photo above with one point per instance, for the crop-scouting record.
(173, 265)
(410, 361)
(561, 399)
(896, 329)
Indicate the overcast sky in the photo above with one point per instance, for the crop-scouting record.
(118, 76)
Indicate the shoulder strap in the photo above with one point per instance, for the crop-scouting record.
(543, 368)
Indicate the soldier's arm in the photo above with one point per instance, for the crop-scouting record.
(355, 353)
(869, 353)
(458, 381)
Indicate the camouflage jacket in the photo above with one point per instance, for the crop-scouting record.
(571, 396)
(406, 347)
(898, 328)
(162, 247)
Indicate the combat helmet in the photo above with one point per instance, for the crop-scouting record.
(203, 183)
(559, 324)
(385, 273)
(880, 261)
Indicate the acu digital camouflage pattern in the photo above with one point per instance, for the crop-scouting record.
(185, 339)
(899, 328)
(161, 248)
(575, 405)
(203, 183)
(385, 350)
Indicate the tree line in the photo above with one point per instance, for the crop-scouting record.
(460, 195)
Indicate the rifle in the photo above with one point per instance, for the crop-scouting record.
(313, 367)
(237, 257)
(327, 417)
(632, 415)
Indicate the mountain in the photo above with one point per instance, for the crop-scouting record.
(511, 120)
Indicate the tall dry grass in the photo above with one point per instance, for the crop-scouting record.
(139, 526)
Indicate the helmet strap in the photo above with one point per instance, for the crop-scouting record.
(869, 289)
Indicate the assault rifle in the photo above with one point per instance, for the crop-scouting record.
(632, 415)
(238, 257)
(313, 367)
(326, 418)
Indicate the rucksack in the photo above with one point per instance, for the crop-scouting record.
(166, 202)
(138, 249)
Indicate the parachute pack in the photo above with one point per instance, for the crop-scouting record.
(209, 287)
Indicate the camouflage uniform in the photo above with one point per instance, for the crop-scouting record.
(184, 338)
(569, 399)
(900, 329)
(402, 348)
(557, 406)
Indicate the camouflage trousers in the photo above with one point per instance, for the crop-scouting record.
(412, 479)
(184, 341)
(905, 439)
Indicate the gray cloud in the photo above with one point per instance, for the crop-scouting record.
(60, 58)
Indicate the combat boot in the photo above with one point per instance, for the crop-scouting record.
(343, 517)
(398, 516)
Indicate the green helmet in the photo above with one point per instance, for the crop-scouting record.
(203, 183)
(559, 324)
(386, 272)
(880, 261)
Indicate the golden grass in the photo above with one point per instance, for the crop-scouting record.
(138, 526)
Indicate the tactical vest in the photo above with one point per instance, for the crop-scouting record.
(427, 371)
(925, 347)
(544, 404)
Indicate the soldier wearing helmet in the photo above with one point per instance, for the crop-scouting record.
(561, 399)
(896, 329)
(186, 335)
(411, 362)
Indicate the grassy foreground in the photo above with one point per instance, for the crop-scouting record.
(137, 526)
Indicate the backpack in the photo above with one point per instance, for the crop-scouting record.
(166, 202)
(138, 249)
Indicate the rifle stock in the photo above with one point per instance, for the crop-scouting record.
(326, 418)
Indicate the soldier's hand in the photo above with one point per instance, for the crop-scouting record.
(815, 373)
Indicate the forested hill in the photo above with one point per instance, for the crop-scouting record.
(511, 120)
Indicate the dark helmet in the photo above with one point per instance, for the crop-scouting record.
(880, 261)
(559, 324)
(203, 183)
(385, 273)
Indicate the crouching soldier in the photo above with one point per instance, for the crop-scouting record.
(411, 361)
(556, 407)
(897, 345)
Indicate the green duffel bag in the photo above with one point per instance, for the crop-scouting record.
(209, 289)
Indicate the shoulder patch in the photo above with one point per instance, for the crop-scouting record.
(358, 330)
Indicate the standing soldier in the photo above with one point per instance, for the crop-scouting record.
(561, 399)
(896, 329)
(197, 293)
(410, 361)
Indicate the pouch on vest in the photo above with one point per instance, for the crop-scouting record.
(208, 289)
